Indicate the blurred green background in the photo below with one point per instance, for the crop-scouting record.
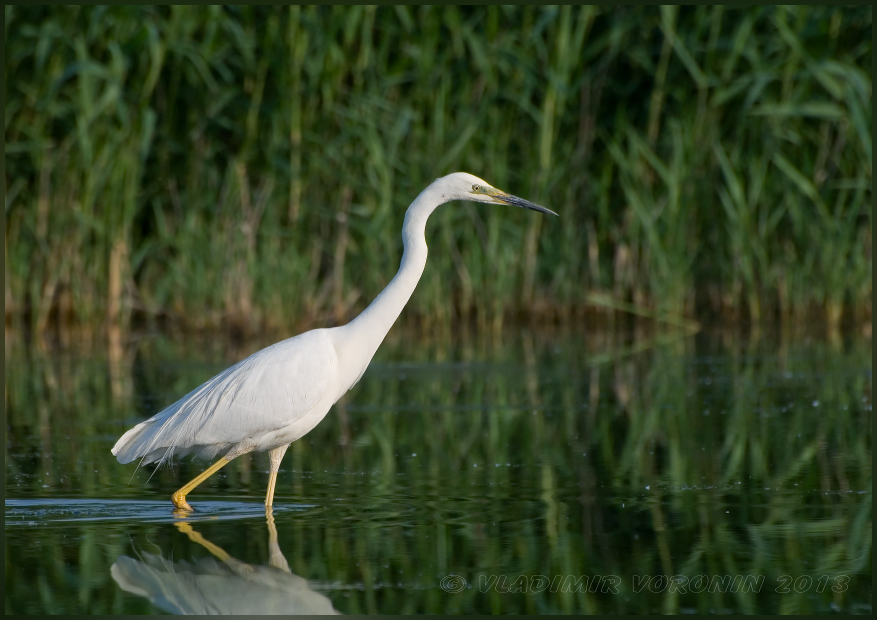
(249, 167)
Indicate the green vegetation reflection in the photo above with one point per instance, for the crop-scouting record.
(535, 454)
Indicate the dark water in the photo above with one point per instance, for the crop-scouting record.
(546, 472)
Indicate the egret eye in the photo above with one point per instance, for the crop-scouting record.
(476, 188)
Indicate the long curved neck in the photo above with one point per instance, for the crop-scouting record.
(364, 334)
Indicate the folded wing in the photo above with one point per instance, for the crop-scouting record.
(271, 389)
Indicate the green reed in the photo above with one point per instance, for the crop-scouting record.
(250, 166)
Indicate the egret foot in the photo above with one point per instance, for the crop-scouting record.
(180, 502)
(179, 498)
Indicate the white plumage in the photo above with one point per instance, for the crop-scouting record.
(267, 400)
(278, 394)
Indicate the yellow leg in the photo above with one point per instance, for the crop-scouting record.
(179, 498)
(269, 497)
(275, 456)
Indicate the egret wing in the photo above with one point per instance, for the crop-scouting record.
(271, 389)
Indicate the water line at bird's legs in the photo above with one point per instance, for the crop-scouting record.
(179, 498)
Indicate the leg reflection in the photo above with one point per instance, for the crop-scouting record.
(227, 586)
(275, 555)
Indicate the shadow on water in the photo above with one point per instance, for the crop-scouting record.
(222, 584)
(459, 474)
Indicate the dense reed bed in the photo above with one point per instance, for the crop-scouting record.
(250, 166)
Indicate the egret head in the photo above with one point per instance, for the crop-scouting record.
(464, 186)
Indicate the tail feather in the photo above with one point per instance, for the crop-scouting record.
(129, 446)
(134, 445)
(165, 433)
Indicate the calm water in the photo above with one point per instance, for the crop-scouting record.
(547, 472)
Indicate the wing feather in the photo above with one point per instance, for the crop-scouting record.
(269, 390)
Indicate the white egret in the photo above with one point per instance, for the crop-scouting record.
(278, 394)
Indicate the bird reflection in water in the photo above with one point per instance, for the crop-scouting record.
(228, 586)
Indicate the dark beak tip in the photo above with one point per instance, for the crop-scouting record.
(542, 209)
(526, 204)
